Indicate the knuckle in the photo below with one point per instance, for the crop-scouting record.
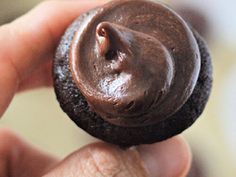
(103, 162)
(6, 134)
(8, 140)
(110, 161)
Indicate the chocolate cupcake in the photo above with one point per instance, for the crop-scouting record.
(132, 72)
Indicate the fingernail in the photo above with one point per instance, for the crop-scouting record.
(171, 158)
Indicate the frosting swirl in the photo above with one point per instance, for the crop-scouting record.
(135, 61)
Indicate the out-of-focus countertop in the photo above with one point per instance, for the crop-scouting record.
(10, 9)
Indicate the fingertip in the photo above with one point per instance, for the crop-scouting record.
(170, 158)
(185, 155)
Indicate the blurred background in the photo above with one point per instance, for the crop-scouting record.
(36, 115)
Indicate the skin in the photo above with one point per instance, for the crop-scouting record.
(26, 53)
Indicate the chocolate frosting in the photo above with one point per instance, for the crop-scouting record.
(135, 61)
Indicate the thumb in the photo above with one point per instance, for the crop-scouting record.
(104, 160)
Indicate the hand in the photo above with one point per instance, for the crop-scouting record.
(27, 48)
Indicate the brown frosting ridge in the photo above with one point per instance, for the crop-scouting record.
(135, 61)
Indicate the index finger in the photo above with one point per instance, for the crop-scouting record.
(36, 34)
(28, 41)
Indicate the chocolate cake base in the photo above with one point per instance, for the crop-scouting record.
(75, 105)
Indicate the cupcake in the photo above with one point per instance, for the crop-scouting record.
(132, 72)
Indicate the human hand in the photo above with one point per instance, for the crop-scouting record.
(28, 46)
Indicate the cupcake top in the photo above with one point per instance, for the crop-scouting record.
(135, 61)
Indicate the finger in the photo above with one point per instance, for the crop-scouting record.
(36, 34)
(171, 158)
(19, 159)
(41, 77)
(101, 160)
(31, 39)
(166, 159)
